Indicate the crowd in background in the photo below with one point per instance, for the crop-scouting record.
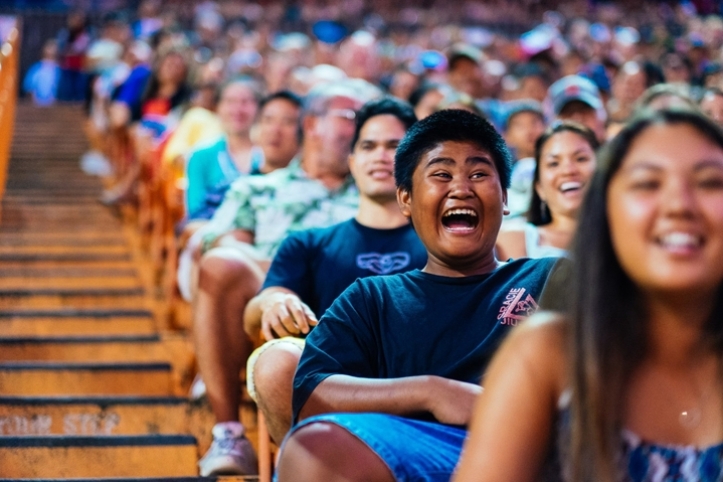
(433, 57)
(248, 106)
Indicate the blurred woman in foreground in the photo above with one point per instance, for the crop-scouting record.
(627, 384)
(565, 155)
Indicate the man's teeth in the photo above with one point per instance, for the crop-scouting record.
(680, 240)
(460, 212)
(570, 185)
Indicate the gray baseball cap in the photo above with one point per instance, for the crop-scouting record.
(571, 88)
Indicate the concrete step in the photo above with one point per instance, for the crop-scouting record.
(80, 258)
(101, 348)
(60, 284)
(51, 265)
(28, 249)
(76, 298)
(39, 323)
(41, 244)
(66, 272)
(99, 456)
(54, 378)
(100, 415)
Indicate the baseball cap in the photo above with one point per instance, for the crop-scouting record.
(514, 107)
(571, 88)
(462, 50)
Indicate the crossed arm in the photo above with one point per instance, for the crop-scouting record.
(449, 401)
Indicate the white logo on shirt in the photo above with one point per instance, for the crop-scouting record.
(383, 263)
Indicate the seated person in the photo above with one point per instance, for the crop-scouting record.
(312, 268)
(564, 164)
(525, 122)
(154, 116)
(278, 129)
(232, 253)
(213, 167)
(578, 99)
(625, 383)
(387, 380)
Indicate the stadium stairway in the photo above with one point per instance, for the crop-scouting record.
(90, 385)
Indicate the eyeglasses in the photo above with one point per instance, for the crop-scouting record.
(347, 114)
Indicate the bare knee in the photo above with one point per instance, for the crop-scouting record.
(274, 370)
(325, 451)
(223, 270)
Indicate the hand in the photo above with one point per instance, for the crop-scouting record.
(452, 401)
(284, 314)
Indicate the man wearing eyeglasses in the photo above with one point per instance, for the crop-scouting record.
(233, 251)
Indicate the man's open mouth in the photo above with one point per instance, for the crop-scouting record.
(460, 220)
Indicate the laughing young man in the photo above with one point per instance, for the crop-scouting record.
(388, 379)
(313, 267)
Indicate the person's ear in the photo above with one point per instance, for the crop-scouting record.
(351, 160)
(505, 207)
(404, 199)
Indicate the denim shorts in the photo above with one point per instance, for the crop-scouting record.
(414, 450)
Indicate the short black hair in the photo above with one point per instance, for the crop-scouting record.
(288, 96)
(450, 125)
(386, 105)
(282, 94)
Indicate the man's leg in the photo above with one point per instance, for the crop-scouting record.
(273, 380)
(325, 451)
(370, 446)
(227, 280)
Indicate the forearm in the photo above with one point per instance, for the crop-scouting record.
(396, 396)
(256, 307)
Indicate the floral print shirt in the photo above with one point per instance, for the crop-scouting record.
(272, 205)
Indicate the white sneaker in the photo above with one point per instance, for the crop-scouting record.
(95, 163)
(230, 452)
(198, 388)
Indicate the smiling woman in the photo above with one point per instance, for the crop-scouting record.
(565, 157)
(627, 384)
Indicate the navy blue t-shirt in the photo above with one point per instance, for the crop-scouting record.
(319, 264)
(417, 323)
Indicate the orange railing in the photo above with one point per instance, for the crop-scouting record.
(9, 50)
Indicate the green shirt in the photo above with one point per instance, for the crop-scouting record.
(272, 205)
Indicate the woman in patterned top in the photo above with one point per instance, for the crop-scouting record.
(627, 385)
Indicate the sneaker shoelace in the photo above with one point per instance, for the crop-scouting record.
(227, 444)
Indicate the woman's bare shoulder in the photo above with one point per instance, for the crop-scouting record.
(542, 342)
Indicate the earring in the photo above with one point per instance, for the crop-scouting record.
(543, 209)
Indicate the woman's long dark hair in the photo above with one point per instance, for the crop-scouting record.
(607, 318)
(183, 92)
(538, 214)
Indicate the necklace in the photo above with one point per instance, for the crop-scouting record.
(690, 417)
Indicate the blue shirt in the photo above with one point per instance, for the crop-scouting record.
(131, 91)
(42, 82)
(210, 172)
(319, 264)
(417, 323)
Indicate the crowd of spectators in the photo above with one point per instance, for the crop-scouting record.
(280, 125)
